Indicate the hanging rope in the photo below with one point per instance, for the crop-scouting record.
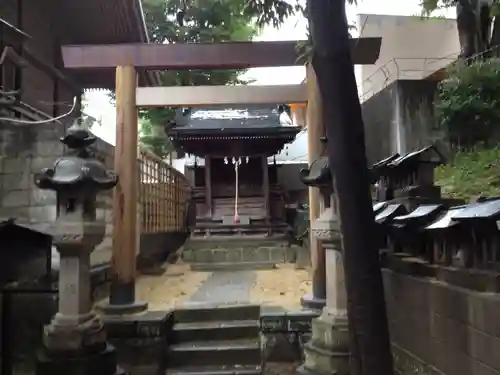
(236, 163)
(236, 216)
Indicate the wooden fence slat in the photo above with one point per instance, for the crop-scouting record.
(163, 195)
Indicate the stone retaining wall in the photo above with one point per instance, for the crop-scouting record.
(437, 328)
(278, 252)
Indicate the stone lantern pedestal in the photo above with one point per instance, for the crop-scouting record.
(75, 341)
(328, 351)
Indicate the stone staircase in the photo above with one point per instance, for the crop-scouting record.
(216, 341)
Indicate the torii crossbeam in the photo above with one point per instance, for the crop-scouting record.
(233, 55)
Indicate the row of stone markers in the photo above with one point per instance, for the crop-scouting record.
(426, 234)
(407, 180)
(459, 245)
(418, 230)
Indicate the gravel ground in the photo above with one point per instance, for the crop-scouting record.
(282, 286)
(171, 289)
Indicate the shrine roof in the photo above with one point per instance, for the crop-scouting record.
(429, 154)
(248, 121)
(419, 213)
(446, 220)
(389, 212)
(481, 210)
(397, 162)
(378, 207)
(7, 223)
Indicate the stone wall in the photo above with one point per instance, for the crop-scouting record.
(25, 150)
(440, 329)
(400, 118)
(436, 329)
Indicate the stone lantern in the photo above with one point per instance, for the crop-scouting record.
(75, 341)
(328, 350)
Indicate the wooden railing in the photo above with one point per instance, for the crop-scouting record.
(163, 195)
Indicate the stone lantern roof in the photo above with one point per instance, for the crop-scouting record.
(318, 174)
(78, 170)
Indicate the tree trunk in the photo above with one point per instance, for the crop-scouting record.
(370, 344)
(474, 27)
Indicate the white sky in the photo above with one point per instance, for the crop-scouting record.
(294, 29)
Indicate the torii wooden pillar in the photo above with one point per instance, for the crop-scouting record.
(126, 58)
(315, 130)
(125, 196)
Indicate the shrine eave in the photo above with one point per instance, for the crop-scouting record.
(233, 142)
(196, 134)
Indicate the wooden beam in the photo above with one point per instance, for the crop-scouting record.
(234, 55)
(192, 96)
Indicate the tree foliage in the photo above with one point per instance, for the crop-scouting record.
(199, 21)
(468, 102)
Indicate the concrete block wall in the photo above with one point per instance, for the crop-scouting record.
(25, 150)
(437, 328)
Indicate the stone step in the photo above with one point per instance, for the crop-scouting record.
(227, 266)
(210, 353)
(214, 313)
(219, 330)
(216, 370)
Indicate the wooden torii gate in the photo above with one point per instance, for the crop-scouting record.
(129, 59)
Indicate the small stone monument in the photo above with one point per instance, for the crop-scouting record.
(328, 350)
(75, 341)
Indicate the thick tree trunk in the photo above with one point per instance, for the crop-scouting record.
(370, 344)
(474, 26)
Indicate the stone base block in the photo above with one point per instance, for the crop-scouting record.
(327, 352)
(100, 363)
(322, 361)
(303, 370)
(329, 331)
(140, 340)
(308, 301)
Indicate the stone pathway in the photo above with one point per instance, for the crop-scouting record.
(223, 288)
